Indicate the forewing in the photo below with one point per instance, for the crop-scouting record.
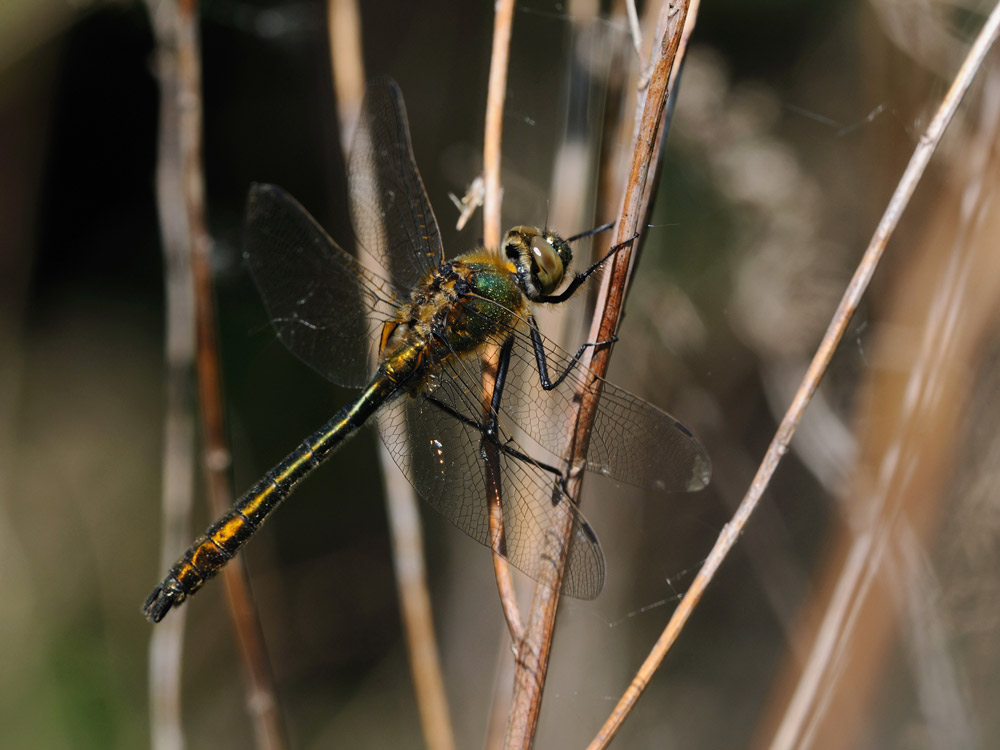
(326, 308)
(393, 218)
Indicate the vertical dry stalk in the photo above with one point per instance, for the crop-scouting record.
(496, 94)
(406, 532)
(343, 26)
(821, 360)
(494, 496)
(180, 59)
(534, 649)
(167, 641)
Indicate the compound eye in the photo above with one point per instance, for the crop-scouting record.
(548, 262)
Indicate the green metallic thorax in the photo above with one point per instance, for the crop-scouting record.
(460, 306)
(491, 307)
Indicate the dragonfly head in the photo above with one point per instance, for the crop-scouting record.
(538, 258)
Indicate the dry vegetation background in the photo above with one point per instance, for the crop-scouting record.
(793, 122)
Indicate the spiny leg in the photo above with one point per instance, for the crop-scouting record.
(536, 339)
(504, 447)
(543, 366)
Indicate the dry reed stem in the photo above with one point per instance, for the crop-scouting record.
(167, 641)
(649, 191)
(182, 47)
(534, 650)
(406, 534)
(496, 93)
(870, 586)
(402, 512)
(779, 444)
(343, 28)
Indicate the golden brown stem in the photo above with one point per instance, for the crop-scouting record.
(492, 197)
(533, 652)
(779, 444)
(180, 68)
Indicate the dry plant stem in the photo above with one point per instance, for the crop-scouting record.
(343, 18)
(501, 568)
(494, 495)
(167, 642)
(664, 24)
(496, 93)
(405, 530)
(415, 605)
(533, 651)
(503, 677)
(779, 445)
(689, 25)
(633, 25)
(877, 572)
(261, 702)
(493, 136)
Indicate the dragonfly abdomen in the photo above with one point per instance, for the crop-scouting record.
(224, 538)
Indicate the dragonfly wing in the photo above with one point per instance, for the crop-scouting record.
(441, 455)
(327, 308)
(392, 215)
(632, 441)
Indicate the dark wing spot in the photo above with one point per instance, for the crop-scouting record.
(683, 429)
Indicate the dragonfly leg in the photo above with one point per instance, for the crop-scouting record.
(503, 363)
(488, 450)
(491, 433)
(543, 367)
(504, 447)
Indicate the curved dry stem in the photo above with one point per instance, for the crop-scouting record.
(492, 195)
(779, 445)
(501, 568)
(180, 71)
(534, 650)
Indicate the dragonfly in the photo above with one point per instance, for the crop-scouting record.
(416, 333)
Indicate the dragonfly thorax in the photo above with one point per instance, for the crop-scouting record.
(455, 310)
(539, 259)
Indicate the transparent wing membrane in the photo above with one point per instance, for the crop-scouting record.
(393, 218)
(326, 308)
(442, 457)
(631, 441)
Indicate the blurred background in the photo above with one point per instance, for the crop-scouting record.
(792, 125)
